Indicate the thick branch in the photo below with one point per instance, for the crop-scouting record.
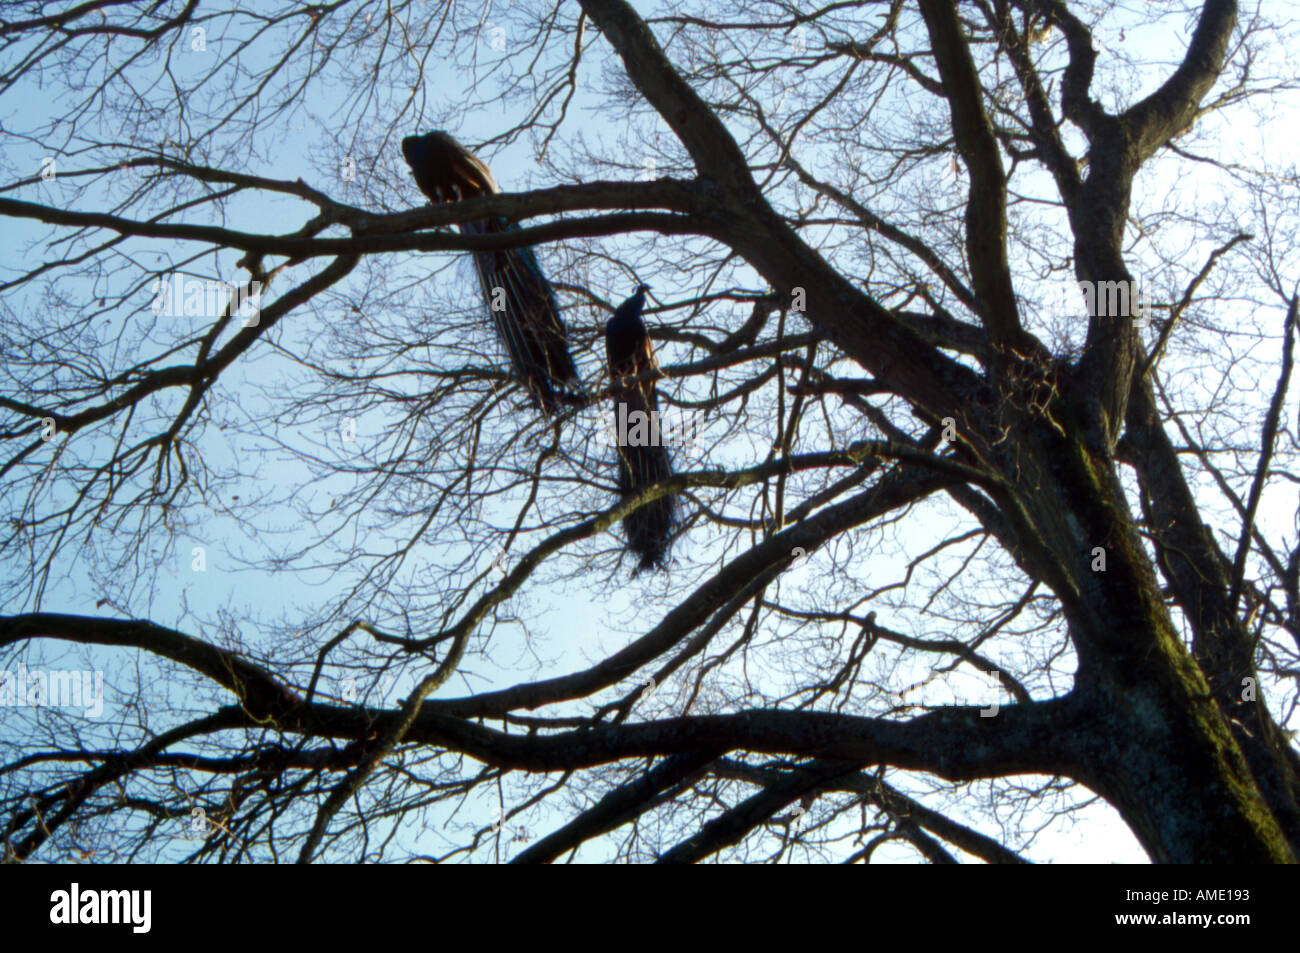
(710, 145)
(986, 219)
(1172, 108)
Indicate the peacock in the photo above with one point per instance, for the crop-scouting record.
(522, 303)
(643, 458)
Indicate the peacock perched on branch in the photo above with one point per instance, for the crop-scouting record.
(515, 290)
(642, 456)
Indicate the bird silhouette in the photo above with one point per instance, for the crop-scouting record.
(524, 310)
(643, 458)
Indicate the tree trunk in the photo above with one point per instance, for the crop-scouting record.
(1161, 754)
(1157, 744)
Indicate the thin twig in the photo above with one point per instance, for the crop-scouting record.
(1265, 452)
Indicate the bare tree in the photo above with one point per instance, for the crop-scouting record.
(264, 464)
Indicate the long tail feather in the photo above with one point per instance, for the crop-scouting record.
(642, 462)
(526, 316)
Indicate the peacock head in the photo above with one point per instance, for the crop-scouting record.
(415, 148)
